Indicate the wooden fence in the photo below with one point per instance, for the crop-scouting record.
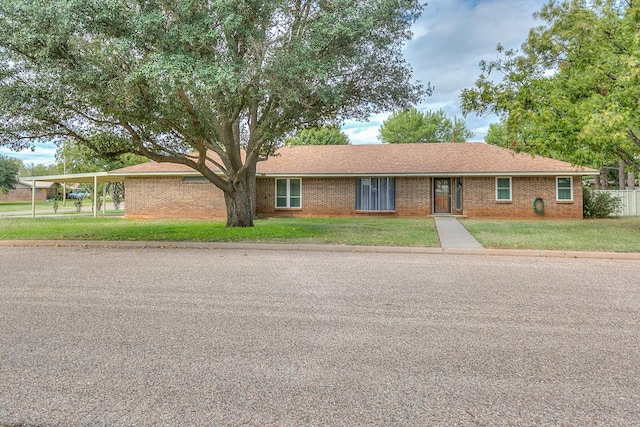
(630, 201)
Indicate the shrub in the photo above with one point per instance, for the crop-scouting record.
(599, 204)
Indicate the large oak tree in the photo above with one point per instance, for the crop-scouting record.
(211, 84)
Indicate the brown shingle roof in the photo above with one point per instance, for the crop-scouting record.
(393, 159)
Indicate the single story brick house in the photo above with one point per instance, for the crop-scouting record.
(403, 180)
(23, 191)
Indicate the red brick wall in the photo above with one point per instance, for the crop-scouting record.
(480, 198)
(320, 197)
(337, 197)
(175, 198)
(23, 195)
(413, 196)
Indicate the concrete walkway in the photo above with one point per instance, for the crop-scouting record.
(453, 235)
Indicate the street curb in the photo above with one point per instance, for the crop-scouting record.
(319, 248)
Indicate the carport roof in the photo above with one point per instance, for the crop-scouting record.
(89, 178)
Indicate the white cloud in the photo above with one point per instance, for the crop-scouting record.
(365, 133)
(450, 39)
(41, 154)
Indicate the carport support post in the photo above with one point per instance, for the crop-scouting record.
(33, 199)
(95, 196)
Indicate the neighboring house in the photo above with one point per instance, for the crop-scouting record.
(403, 180)
(22, 192)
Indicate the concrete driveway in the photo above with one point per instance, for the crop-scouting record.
(166, 337)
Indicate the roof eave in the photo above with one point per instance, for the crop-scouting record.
(100, 177)
(432, 174)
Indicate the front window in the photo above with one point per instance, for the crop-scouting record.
(564, 189)
(375, 194)
(289, 193)
(503, 189)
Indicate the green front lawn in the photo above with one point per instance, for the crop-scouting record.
(611, 235)
(46, 208)
(608, 235)
(341, 231)
(24, 206)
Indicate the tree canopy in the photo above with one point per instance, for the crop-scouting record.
(325, 135)
(8, 174)
(214, 85)
(572, 91)
(411, 125)
(498, 135)
(78, 158)
(38, 169)
(33, 169)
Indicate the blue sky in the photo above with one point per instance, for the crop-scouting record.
(450, 39)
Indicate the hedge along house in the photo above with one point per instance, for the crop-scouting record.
(403, 180)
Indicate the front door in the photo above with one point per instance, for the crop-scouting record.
(442, 195)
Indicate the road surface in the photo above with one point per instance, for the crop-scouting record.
(169, 337)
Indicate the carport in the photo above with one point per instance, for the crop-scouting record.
(94, 178)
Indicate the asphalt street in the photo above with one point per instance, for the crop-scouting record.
(172, 337)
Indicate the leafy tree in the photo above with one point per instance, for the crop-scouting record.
(572, 92)
(498, 135)
(213, 85)
(459, 131)
(37, 169)
(78, 158)
(326, 135)
(8, 174)
(407, 126)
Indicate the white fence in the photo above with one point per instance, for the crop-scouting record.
(630, 201)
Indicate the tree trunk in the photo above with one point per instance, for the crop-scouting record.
(621, 177)
(241, 201)
(631, 181)
(604, 178)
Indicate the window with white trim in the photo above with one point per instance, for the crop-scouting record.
(375, 194)
(503, 189)
(288, 193)
(564, 189)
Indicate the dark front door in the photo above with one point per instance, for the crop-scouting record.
(442, 195)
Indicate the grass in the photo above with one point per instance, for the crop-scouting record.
(25, 206)
(46, 208)
(607, 235)
(352, 231)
